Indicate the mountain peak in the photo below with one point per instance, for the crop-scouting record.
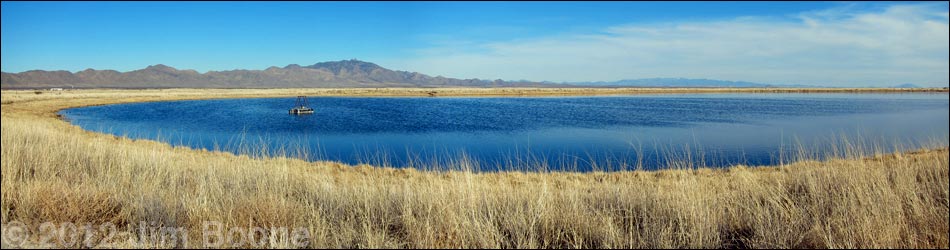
(160, 67)
(350, 65)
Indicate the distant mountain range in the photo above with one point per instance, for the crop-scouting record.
(686, 83)
(705, 83)
(908, 86)
(348, 73)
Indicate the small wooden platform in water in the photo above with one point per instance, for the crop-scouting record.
(301, 110)
(300, 107)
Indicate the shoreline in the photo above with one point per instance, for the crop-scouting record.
(465, 93)
(175, 94)
(55, 105)
(54, 171)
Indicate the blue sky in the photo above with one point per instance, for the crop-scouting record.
(821, 43)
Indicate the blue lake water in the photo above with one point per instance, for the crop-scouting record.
(526, 133)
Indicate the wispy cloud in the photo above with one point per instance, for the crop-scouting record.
(842, 46)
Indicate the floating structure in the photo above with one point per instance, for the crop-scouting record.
(301, 106)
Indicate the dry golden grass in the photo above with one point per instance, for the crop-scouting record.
(53, 171)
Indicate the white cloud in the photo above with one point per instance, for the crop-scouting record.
(843, 47)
